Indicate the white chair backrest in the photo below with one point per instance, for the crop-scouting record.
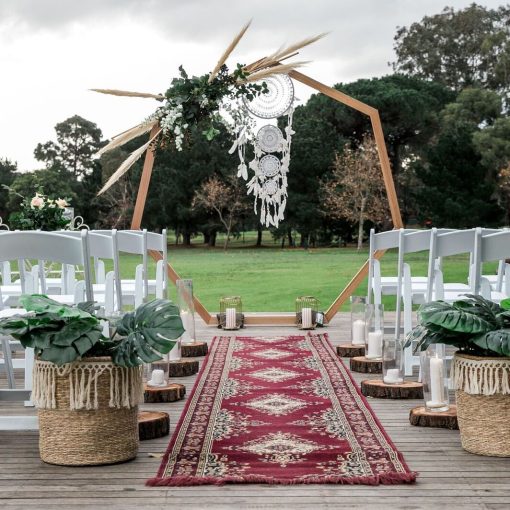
(48, 246)
(102, 247)
(489, 248)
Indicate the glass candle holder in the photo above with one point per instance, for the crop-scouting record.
(392, 361)
(358, 324)
(434, 375)
(155, 374)
(306, 312)
(231, 312)
(374, 332)
(175, 352)
(186, 306)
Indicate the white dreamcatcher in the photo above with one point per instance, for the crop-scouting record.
(271, 148)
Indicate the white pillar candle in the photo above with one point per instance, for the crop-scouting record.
(358, 332)
(185, 318)
(436, 383)
(393, 376)
(157, 377)
(230, 319)
(375, 339)
(175, 353)
(306, 318)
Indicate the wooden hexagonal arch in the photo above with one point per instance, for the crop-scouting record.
(362, 272)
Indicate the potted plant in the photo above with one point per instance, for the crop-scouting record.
(87, 386)
(480, 330)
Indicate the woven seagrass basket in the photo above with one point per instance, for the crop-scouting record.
(482, 393)
(88, 412)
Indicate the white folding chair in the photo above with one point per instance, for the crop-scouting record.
(41, 246)
(490, 248)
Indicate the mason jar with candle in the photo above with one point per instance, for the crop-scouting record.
(186, 306)
(306, 312)
(392, 361)
(358, 314)
(231, 313)
(435, 378)
(374, 331)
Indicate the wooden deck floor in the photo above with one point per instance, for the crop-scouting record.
(449, 477)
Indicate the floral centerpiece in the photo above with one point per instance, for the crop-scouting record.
(87, 386)
(480, 330)
(40, 213)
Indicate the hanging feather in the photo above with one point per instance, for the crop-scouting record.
(126, 136)
(126, 93)
(228, 51)
(127, 164)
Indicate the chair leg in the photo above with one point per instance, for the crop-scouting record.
(6, 349)
(29, 368)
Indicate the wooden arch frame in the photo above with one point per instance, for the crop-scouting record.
(362, 272)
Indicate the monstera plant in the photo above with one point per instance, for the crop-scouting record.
(87, 386)
(474, 325)
(61, 334)
(480, 370)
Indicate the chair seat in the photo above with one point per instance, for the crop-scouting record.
(10, 312)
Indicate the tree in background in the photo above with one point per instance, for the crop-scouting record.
(7, 175)
(468, 47)
(78, 139)
(356, 189)
(226, 198)
(457, 190)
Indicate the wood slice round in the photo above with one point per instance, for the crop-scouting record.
(422, 417)
(194, 350)
(350, 350)
(169, 393)
(365, 366)
(378, 389)
(153, 424)
(180, 368)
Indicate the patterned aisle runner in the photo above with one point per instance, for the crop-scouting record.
(278, 410)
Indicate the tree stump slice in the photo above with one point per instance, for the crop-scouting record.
(194, 350)
(350, 350)
(153, 424)
(365, 366)
(179, 368)
(169, 393)
(378, 389)
(421, 417)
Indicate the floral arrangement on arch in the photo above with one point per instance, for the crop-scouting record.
(40, 213)
(207, 100)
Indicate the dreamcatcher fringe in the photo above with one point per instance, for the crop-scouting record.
(481, 376)
(125, 384)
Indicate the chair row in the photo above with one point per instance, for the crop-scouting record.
(482, 245)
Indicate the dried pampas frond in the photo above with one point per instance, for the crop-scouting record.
(282, 54)
(127, 93)
(228, 51)
(277, 69)
(127, 164)
(126, 136)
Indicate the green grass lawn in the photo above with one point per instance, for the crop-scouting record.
(269, 278)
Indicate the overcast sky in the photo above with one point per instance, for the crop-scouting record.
(52, 51)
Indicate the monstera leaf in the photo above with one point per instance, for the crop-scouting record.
(58, 333)
(461, 317)
(148, 333)
(496, 341)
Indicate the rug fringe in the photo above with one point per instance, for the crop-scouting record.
(384, 479)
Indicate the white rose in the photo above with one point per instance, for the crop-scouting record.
(37, 202)
(61, 203)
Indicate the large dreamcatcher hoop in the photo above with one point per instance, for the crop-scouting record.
(276, 101)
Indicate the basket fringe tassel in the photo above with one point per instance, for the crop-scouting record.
(126, 388)
(481, 377)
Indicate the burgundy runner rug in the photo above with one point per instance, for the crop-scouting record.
(279, 410)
